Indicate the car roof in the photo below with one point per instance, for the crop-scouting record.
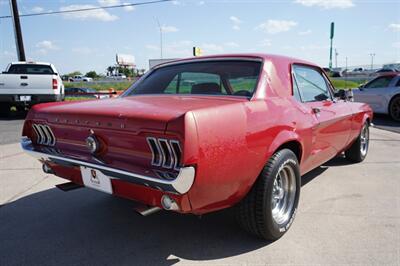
(276, 59)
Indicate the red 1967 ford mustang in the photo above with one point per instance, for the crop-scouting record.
(203, 134)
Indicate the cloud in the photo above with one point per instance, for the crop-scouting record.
(265, 43)
(306, 32)
(396, 45)
(231, 44)
(98, 14)
(273, 26)
(200, 3)
(167, 29)
(127, 8)
(326, 4)
(236, 22)
(212, 48)
(46, 46)
(394, 27)
(37, 9)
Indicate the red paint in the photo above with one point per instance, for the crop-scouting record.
(228, 139)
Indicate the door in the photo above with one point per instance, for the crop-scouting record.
(332, 131)
(373, 93)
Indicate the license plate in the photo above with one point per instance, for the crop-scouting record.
(26, 98)
(95, 179)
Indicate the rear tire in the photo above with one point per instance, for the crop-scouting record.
(358, 151)
(269, 209)
(394, 108)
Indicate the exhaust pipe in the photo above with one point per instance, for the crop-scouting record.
(145, 210)
(47, 169)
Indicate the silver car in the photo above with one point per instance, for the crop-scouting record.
(382, 94)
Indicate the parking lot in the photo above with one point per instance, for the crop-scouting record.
(348, 214)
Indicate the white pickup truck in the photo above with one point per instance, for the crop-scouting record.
(24, 84)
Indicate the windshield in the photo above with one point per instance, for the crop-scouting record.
(227, 77)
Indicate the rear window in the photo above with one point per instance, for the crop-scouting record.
(30, 69)
(227, 77)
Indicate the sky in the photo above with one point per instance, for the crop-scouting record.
(90, 40)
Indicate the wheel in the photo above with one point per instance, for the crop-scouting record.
(268, 210)
(394, 108)
(358, 151)
(4, 109)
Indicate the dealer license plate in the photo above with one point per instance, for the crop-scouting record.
(95, 179)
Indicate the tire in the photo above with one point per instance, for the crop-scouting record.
(256, 212)
(359, 149)
(394, 108)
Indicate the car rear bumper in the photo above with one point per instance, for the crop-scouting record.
(35, 98)
(180, 185)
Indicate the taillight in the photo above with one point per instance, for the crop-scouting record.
(55, 84)
(165, 153)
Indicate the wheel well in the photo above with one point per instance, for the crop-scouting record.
(294, 146)
(390, 102)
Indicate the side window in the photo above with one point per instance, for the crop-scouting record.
(243, 85)
(311, 84)
(398, 83)
(381, 82)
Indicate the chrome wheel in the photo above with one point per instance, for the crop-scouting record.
(283, 194)
(364, 140)
(395, 109)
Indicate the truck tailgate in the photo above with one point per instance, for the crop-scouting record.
(26, 84)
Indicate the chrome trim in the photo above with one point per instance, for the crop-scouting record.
(177, 161)
(153, 154)
(209, 59)
(181, 184)
(165, 156)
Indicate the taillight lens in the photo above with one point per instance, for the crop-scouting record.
(165, 153)
(55, 84)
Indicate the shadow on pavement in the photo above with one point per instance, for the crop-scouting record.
(386, 122)
(88, 227)
(20, 115)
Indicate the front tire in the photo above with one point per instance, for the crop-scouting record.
(269, 208)
(394, 108)
(358, 151)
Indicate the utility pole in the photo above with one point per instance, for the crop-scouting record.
(161, 37)
(17, 30)
(330, 50)
(336, 55)
(372, 60)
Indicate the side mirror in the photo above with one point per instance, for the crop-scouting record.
(341, 94)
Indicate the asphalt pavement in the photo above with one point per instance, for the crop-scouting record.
(349, 214)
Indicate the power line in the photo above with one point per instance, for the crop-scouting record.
(89, 9)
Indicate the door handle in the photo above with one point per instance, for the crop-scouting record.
(24, 84)
(24, 77)
(316, 110)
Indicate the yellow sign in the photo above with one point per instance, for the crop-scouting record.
(197, 51)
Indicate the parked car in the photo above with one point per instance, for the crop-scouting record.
(240, 135)
(80, 78)
(85, 93)
(24, 84)
(387, 70)
(118, 76)
(382, 94)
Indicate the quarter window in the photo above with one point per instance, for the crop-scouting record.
(311, 84)
(381, 82)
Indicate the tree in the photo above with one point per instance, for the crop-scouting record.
(75, 73)
(92, 74)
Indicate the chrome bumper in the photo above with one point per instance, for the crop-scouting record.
(180, 185)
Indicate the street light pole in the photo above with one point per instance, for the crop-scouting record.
(161, 38)
(372, 60)
(17, 30)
